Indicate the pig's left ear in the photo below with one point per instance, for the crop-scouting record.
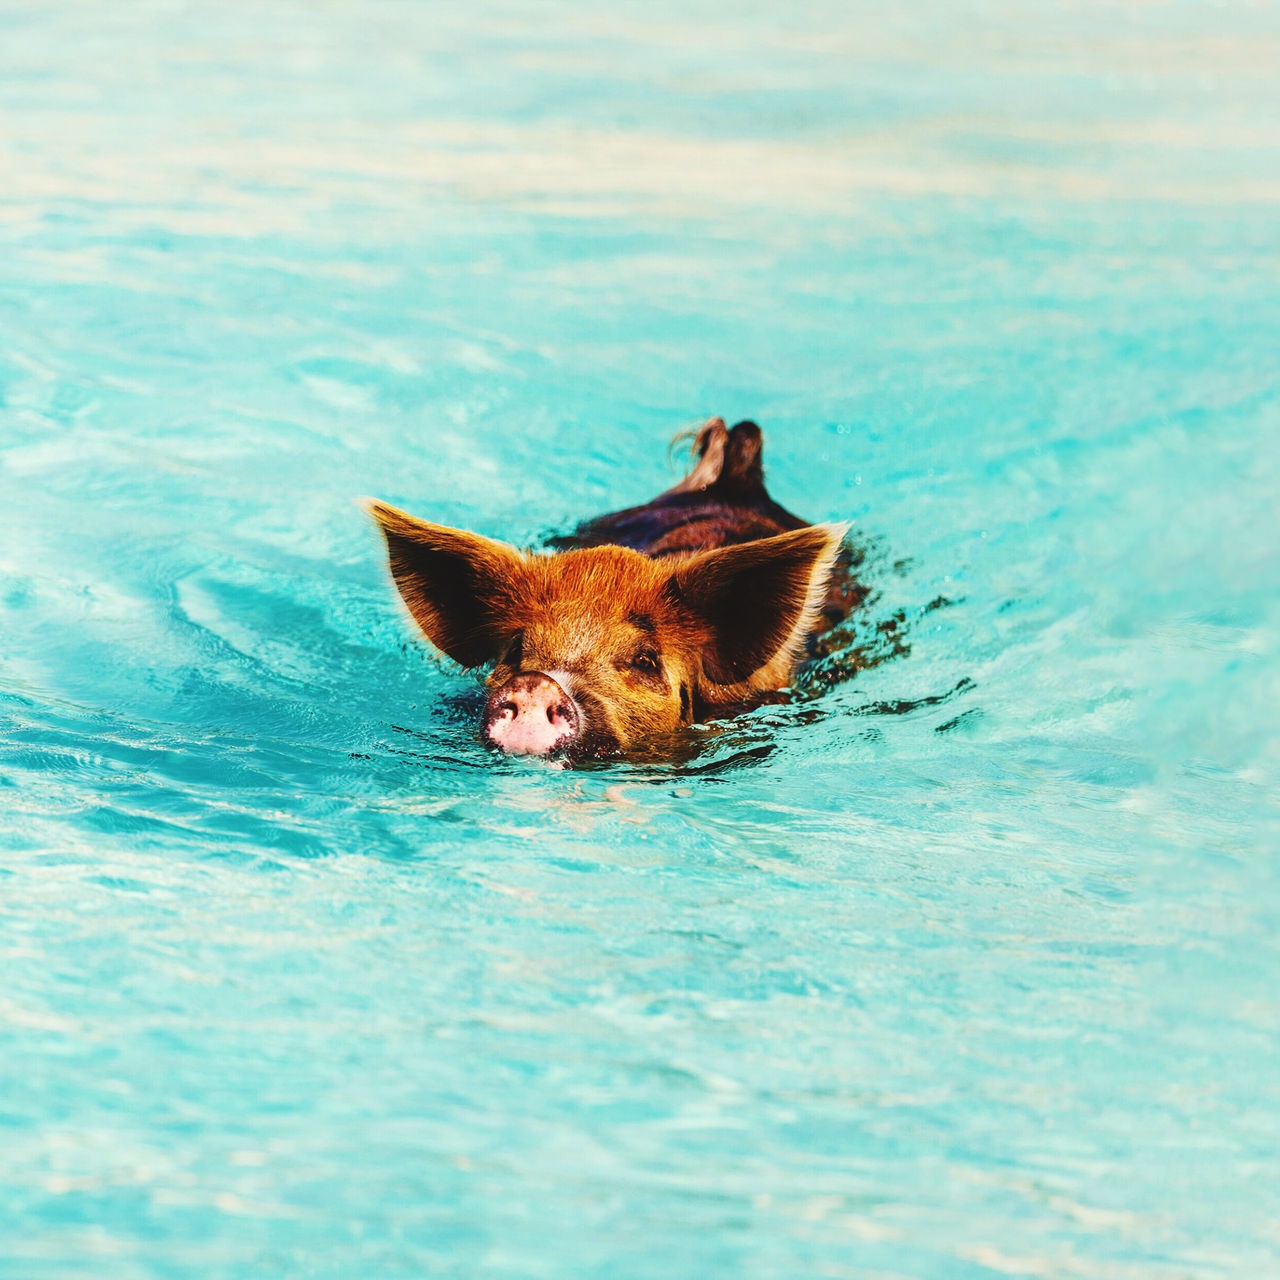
(758, 598)
(452, 582)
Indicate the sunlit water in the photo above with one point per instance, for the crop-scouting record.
(967, 968)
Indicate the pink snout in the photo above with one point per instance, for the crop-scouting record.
(530, 716)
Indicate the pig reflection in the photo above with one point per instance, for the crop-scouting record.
(650, 618)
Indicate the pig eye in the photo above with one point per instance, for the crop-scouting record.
(515, 651)
(646, 662)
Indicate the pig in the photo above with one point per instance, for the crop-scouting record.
(641, 622)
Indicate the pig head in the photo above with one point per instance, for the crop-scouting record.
(604, 650)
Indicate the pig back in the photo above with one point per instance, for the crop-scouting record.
(721, 502)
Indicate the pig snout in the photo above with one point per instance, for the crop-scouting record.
(530, 715)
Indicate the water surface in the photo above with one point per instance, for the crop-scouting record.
(971, 974)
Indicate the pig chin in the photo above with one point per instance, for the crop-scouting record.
(532, 715)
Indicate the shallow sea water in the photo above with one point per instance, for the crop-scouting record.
(972, 973)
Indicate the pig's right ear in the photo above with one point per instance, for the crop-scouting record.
(451, 581)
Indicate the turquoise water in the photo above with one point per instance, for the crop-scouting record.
(972, 973)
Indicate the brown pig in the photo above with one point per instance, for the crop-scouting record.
(651, 617)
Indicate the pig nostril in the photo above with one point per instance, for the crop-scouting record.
(508, 711)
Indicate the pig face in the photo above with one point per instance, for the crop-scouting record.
(603, 651)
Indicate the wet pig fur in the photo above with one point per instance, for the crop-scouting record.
(642, 622)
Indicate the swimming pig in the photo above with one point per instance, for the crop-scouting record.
(702, 598)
